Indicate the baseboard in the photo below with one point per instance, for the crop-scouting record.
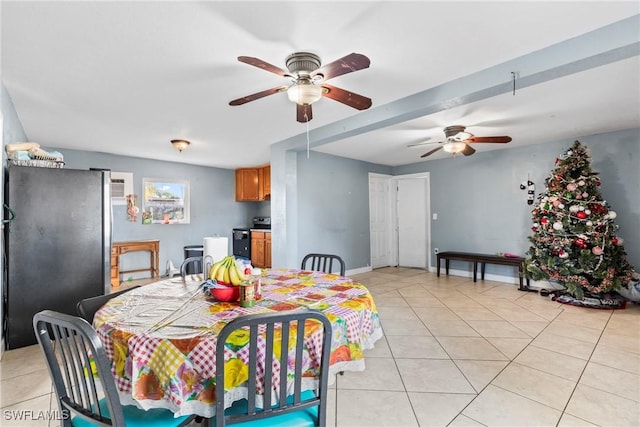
(469, 274)
(358, 271)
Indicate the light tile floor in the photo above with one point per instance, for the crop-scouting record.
(455, 353)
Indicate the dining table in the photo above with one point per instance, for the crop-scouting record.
(161, 337)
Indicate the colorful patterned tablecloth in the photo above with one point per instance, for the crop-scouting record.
(161, 338)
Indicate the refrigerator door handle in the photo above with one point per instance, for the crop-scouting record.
(12, 214)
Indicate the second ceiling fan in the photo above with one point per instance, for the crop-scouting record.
(308, 81)
(457, 141)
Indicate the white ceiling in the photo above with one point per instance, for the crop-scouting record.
(127, 77)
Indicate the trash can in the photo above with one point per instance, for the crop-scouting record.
(191, 251)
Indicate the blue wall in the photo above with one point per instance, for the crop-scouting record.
(214, 211)
(481, 208)
(321, 202)
(333, 207)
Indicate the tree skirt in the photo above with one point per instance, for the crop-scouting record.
(605, 301)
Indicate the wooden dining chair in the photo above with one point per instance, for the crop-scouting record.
(76, 360)
(323, 262)
(270, 331)
(88, 307)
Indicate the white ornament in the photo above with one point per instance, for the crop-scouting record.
(581, 208)
(612, 214)
(557, 226)
(581, 183)
(561, 206)
(587, 211)
(589, 223)
(574, 208)
(564, 255)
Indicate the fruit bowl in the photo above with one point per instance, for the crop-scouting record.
(225, 294)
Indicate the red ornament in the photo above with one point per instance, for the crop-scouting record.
(558, 178)
(581, 215)
(614, 240)
(598, 183)
(543, 221)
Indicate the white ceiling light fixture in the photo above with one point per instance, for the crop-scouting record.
(180, 144)
(304, 92)
(454, 147)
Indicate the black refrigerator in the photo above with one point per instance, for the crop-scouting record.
(57, 245)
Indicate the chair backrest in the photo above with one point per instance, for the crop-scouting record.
(195, 260)
(74, 354)
(323, 262)
(88, 307)
(274, 332)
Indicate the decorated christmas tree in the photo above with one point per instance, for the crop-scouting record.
(574, 241)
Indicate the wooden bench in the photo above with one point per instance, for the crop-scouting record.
(483, 259)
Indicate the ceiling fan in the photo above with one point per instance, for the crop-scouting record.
(308, 79)
(457, 141)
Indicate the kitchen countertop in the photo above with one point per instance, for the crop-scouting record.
(264, 230)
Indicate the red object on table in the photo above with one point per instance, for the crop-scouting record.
(226, 294)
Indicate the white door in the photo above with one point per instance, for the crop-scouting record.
(380, 220)
(412, 199)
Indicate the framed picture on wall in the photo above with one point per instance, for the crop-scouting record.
(121, 186)
(165, 201)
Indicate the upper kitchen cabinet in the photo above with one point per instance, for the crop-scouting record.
(265, 179)
(253, 184)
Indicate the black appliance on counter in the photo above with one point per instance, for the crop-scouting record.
(58, 244)
(242, 242)
(242, 236)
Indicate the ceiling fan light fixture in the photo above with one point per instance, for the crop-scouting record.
(454, 147)
(303, 92)
(180, 144)
(462, 136)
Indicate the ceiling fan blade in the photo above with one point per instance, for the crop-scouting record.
(347, 64)
(468, 150)
(304, 113)
(351, 99)
(425, 141)
(257, 62)
(428, 153)
(492, 139)
(258, 95)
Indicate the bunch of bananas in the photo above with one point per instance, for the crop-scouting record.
(226, 270)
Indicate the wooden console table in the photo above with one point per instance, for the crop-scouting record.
(120, 248)
(483, 259)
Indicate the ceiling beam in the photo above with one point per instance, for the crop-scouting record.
(614, 42)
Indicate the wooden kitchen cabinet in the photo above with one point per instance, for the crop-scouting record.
(261, 249)
(253, 184)
(265, 182)
(267, 250)
(247, 181)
